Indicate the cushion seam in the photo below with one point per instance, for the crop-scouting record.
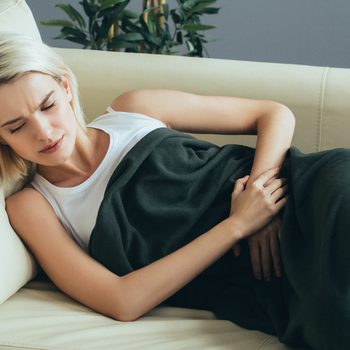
(36, 347)
(11, 7)
(264, 342)
(321, 108)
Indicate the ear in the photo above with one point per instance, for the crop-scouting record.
(66, 86)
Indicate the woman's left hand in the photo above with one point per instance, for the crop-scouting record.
(264, 245)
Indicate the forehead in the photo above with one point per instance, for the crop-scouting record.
(25, 93)
(30, 83)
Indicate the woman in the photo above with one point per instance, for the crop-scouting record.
(120, 186)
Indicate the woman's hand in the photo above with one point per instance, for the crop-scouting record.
(264, 245)
(252, 208)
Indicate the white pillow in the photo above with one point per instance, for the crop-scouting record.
(17, 265)
(16, 16)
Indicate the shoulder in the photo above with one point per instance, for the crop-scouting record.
(127, 101)
(25, 207)
(146, 102)
(19, 197)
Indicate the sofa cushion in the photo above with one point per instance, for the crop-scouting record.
(16, 16)
(39, 316)
(17, 265)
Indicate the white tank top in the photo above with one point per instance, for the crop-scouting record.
(77, 206)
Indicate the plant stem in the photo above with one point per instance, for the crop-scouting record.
(146, 4)
(161, 18)
(113, 32)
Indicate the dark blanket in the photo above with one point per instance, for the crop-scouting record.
(171, 187)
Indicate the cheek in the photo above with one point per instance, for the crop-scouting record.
(22, 148)
(63, 119)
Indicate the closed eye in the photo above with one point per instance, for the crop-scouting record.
(48, 107)
(44, 109)
(16, 129)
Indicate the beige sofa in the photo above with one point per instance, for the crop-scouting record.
(34, 314)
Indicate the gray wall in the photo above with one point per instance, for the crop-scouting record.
(311, 32)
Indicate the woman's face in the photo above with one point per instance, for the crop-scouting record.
(35, 113)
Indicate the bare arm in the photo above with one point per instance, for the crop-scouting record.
(271, 121)
(87, 281)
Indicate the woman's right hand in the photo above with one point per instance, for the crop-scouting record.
(253, 207)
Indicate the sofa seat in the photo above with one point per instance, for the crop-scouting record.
(39, 316)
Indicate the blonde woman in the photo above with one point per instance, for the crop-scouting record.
(128, 213)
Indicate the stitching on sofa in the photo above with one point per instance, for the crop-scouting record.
(267, 340)
(36, 347)
(11, 7)
(321, 108)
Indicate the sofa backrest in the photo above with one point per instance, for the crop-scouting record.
(318, 96)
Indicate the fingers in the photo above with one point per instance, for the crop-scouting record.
(275, 252)
(281, 203)
(265, 252)
(265, 177)
(236, 249)
(266, 260)
(279, 193)
(240, 184)
(260, 257)
(275, 183)
(255, 258)
(238, 188)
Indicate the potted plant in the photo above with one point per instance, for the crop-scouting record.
(109, 25)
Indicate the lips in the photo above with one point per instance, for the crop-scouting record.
(51, 145)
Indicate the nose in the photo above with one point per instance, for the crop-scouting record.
(43, 130)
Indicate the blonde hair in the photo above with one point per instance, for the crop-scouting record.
(19, 55)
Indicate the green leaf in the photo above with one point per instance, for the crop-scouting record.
(113, 11)
(120, 44)
(175, 16)
(100, 43)
(110, 3)
(91, 8)
(197, 7)
(58, 22)
(166, 11)
(179, 37)
(88, 8)
(76, 39)
(73, 14)
(129, 26)
(129, 14)
(190, 46)
(193, 27)
(211, 10)
(189, 4)
(153, 39)
(75, 35)
(129, 37)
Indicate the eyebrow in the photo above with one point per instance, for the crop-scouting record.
(40, 105)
